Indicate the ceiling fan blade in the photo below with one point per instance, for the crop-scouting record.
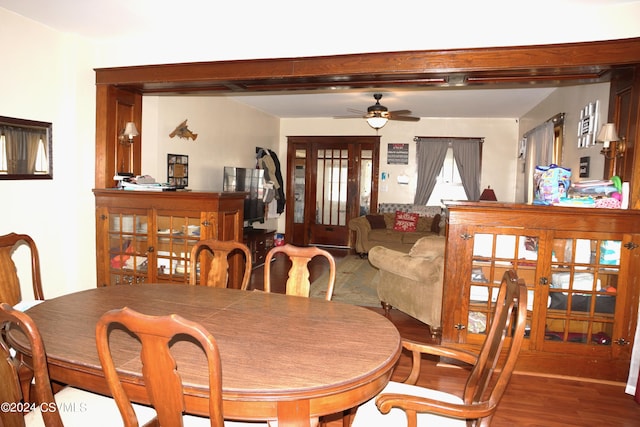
(348, 117)
(404, 118)
(400, 112)
(354, 111)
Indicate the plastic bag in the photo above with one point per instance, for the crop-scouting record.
(551, 184)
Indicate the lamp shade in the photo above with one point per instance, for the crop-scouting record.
(130, 130)
(488, 194)
(377, 122)
(607, 134)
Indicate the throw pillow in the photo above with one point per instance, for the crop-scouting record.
(435, 224)
(376, 221)
(405, 221)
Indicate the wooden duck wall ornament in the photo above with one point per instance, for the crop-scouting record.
(182, 131)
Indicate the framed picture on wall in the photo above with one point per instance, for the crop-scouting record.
(178, 170)
(587, 125)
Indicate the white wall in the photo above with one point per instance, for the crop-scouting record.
(48, 76)
(227, 134)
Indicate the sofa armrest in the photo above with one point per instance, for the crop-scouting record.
(362, 227)
(405, 265)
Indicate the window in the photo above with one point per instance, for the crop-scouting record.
(448, 168)
(448, 182)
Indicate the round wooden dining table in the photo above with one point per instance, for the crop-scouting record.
(283, 357)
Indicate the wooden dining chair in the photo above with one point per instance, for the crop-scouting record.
(298, 276)
(10, 291)
(406, 404)
(216, 253)
(160, 372)
(46, 408)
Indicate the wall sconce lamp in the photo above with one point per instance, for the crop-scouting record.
(126, 136)
(607, 135)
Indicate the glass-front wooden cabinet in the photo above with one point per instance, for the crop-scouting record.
(582, 270)
(146, 237)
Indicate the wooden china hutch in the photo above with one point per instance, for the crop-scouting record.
(146, 237)
(582, 270)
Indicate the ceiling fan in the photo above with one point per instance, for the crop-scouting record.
(377, 115)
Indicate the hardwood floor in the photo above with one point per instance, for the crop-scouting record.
(530, 401)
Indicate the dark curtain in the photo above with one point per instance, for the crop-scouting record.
(430, 157)
(467, 155)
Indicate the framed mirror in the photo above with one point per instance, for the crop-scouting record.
(25, 149)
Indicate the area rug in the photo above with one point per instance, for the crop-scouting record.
(354, 283)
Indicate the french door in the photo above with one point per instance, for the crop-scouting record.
(330, 179)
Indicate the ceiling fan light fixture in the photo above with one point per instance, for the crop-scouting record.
(377, 122)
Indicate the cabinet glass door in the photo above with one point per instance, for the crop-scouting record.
(176, 235)
(128, 248)
(493, 255)
(582, 291)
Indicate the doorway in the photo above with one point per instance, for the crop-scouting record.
(330, 180)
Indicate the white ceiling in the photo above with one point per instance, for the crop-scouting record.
(99, 19)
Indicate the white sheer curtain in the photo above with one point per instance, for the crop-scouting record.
(539, 153)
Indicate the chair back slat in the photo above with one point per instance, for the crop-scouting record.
(499, 352)
(298, 277)
(11, 390)
(216, 254)
(160, 372)
(9, 281)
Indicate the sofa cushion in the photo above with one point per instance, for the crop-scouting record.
(423, 224)
(389, 219)
(411, 237)
(406, 221)
(385, 236)
(376, 221)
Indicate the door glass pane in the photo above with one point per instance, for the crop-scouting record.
(331, 190)
(366, 169)
(299, 186)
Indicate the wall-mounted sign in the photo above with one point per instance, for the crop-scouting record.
(398, 154)
(587, 125)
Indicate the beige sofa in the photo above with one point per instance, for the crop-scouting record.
(412, 282)
(367, 236)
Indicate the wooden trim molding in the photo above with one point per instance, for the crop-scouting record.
(517, 66)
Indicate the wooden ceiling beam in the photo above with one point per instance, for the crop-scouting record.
(387, 69)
